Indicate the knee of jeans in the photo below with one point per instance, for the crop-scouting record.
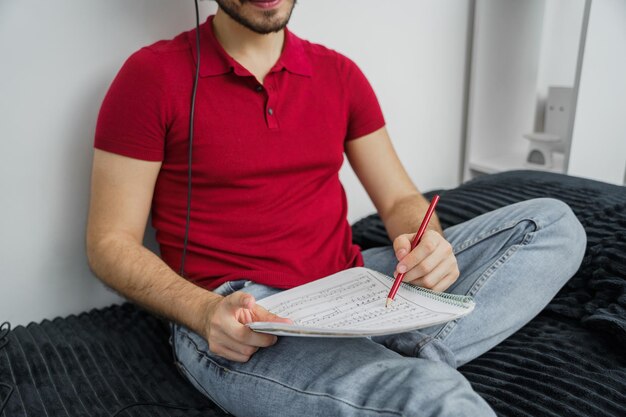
(568, 224)
(548, 210)
(566, 231)
(436, 350)
(423, 383)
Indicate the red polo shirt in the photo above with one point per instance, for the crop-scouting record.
(267, 204)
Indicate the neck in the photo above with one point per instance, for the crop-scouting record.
(258, 53)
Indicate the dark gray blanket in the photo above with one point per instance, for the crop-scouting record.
(569, 361)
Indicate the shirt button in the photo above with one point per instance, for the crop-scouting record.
(259, 88)
(270, 111)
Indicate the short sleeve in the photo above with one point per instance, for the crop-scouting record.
(364, 113)
(133, 120)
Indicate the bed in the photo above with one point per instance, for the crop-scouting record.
(568, 361)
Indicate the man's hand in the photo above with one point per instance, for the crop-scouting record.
(226, 329)
(431, 264)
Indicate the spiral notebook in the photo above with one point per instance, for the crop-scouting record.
(351, 303)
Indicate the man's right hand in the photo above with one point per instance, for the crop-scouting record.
(226, 329)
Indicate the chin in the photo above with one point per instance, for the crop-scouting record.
(262, 17)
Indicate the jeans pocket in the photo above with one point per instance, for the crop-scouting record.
(230, 287)
(237, 285)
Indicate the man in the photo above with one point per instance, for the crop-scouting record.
(274, 116)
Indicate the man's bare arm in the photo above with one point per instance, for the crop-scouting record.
(398, 202)
(401, 206)
(121, 195)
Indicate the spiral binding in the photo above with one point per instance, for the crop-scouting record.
(463, 301)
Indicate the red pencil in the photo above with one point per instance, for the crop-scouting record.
(414, 243)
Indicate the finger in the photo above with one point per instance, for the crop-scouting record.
(402, 245)
(427, 245)
(226, 352)
(241, 305)
(231, 331)
(240, 348)
(433, 277)
(261, 314)
(249, 337)
(445, 283)
(261, 339)
(245, 316)
(240, 299)
(236, 341)
(234, 333)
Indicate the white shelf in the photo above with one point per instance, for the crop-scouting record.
(521, 50)
(512, 161)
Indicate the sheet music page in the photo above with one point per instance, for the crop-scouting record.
(354, 301)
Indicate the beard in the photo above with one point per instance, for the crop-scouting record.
(269, 21)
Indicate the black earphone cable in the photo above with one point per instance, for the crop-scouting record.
(9, 393)
(163, 405)
(190, 160)
(5, 329)
(188, 218)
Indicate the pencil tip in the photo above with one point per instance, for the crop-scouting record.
(388, 302)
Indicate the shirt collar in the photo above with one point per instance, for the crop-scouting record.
(215, 60)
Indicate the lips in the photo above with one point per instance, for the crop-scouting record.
(265, 4)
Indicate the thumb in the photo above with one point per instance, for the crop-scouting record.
(240, 299)
(402, 245)
(261, 314)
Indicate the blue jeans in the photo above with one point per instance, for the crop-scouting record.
(512, 261)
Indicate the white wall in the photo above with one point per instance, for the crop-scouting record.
(599, 139)
(505, 62)
(59, 57)
(560, 43)
(413, 53)
(521, 48)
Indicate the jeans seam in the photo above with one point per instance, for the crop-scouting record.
(188, 374)
(315, 394)
(184, 372)
(528, 237)
(466, 244)
(421, 344)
